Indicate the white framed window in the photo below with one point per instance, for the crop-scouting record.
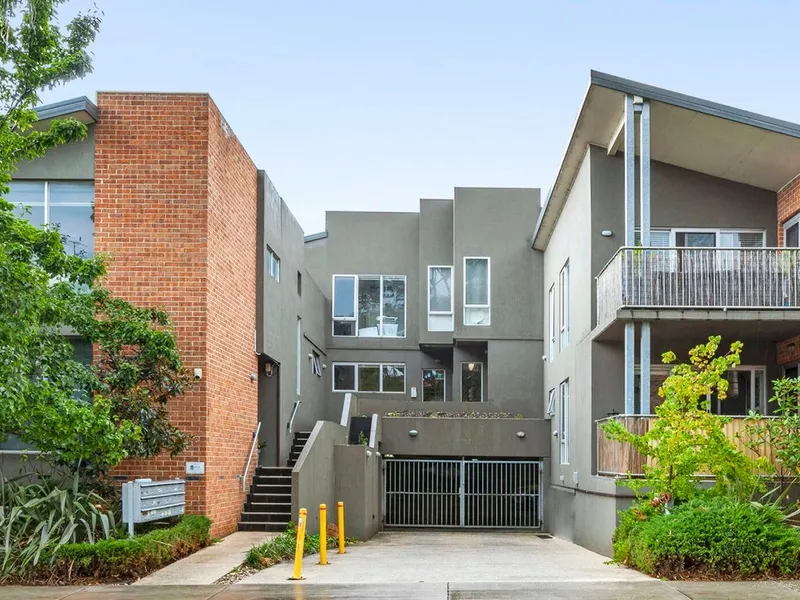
(791, 232)
(551, 303)
(299, 373)
(369, 306)
(477, 291)
(440, 298)
(471, 382)
(434, 385)
(64, 205)
(273, 264)
(563, 422)
(563, 305)
(316, 364)
(685, 237)
(384, 378)
(551, 404)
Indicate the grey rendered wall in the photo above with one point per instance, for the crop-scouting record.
(313, 477)
(435, 248)
(568, 243)
(466, 437)
(516, 374)
(498, 223)
(72, 161)
(279, 306)
(358, 485)
(314, 397)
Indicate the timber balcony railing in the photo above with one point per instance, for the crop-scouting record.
(699, 278)
(618, 459)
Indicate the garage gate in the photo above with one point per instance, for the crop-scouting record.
(421, 492)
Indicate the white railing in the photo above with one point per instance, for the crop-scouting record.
(250, 456)
(705, 278)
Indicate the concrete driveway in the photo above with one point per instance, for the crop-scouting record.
(456, 557)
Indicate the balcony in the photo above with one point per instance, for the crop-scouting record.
(617, 459)
(699, 278)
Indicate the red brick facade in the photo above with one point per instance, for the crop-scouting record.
(175, 207)
(788, 206)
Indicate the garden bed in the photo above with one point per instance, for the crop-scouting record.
(119, 560)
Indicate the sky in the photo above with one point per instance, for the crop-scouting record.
(374, 104)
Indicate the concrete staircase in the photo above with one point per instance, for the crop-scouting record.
(269, 503)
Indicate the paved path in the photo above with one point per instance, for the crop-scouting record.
(607, 590)
(209, 564)
(458, 556)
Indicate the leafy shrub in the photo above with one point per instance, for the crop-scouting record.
(124, 559)
(708, 535)
(37, 519)
(282, 547)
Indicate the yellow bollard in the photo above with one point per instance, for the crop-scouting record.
(323, 534)
(341, 527)
(300, 546)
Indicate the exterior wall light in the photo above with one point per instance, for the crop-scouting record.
(606, 233)
(413, 433)
(520, 434)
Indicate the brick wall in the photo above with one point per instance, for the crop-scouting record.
(169, 188)
(788, 206)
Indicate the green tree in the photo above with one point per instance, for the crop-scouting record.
(686, 440)
(116, 407)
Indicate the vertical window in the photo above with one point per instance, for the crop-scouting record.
(344, 305)
(563, 284)
(369, 305)
(299, 283)
(299, 373)
(791, 232)
(551, 404)
(369, 377)
(563, 421)
(316, 365)
(433, 385)
(472, 382)
(67, 206)
(551, 302)
(273, 264)
(440, 298)
(477, 291)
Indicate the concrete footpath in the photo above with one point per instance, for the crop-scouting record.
(209, 564)
(609, 590)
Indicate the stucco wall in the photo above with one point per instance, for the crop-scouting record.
(435, 248)
(72, 161)
(358, 485)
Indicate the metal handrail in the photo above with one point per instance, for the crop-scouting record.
(290, 423)
(250, 456)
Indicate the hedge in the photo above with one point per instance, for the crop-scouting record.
(127, 559)
(709, 536)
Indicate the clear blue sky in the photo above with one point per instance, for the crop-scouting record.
(373, 104)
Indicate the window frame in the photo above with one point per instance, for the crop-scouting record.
(354, 319)
(357, 365)
(273, 264)
(441, 313)
(551, 300)
(316, 364)
(563, 422)
(461, 374)
(788, 224)
(563, 307)
(488, 305)
(422, 383)
(551, 404)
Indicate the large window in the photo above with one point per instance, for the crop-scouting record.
(477, 291)
(563, 289)
(551, 302)
(64, 205)
(433, 385)
(440, 298)
(704, 238)
(369, 305)
(563, 422)
(472, 382)
(791, 232)
(369, 377)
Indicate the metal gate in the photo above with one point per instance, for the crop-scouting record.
(462, 493)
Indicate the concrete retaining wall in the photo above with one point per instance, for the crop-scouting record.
(466, 437)
(358, 485)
